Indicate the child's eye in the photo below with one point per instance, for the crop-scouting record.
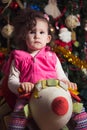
(41, 32)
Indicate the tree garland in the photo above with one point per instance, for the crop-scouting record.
(71, 57)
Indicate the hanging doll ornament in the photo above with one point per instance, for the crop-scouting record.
(64, 38)
(52, 9)
(7, 31)
(72, 22)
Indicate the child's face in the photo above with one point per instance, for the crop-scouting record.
(38, 37)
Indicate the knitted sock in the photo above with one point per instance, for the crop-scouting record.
(18, 121)
(81, 120)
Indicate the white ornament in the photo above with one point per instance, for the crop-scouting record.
(52, 9)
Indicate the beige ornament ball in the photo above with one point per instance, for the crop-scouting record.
(5, 1)
(71, 21)
(7, 31)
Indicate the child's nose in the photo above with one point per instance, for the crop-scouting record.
(37, 35)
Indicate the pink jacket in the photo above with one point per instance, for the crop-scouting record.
(33, 69)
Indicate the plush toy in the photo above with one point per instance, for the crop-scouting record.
(51, 105)
(54, 107)
(64, 38)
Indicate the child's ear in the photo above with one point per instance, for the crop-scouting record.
(49, 38)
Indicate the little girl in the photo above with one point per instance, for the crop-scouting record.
(32, 61)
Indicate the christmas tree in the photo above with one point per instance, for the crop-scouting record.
(67, 14)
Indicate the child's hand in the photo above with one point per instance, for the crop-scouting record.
(26, 87)
(71, 85)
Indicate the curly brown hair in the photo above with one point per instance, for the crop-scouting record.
(23, 23)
